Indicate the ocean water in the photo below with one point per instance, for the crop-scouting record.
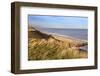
(81, 34)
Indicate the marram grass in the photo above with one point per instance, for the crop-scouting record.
(49, 48)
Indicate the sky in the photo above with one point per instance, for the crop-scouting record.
(58, 22)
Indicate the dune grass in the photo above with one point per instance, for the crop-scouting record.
(42, 47)
(45, 49)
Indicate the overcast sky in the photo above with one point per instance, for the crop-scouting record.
(58, 22)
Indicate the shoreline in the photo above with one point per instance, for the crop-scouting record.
(82, 48)
(65, 36)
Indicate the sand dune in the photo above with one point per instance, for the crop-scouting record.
(43, 46)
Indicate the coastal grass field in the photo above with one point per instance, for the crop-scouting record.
(42, 46)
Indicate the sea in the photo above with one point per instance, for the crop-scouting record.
(81, 34)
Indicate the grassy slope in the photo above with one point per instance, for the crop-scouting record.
(43, 46)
